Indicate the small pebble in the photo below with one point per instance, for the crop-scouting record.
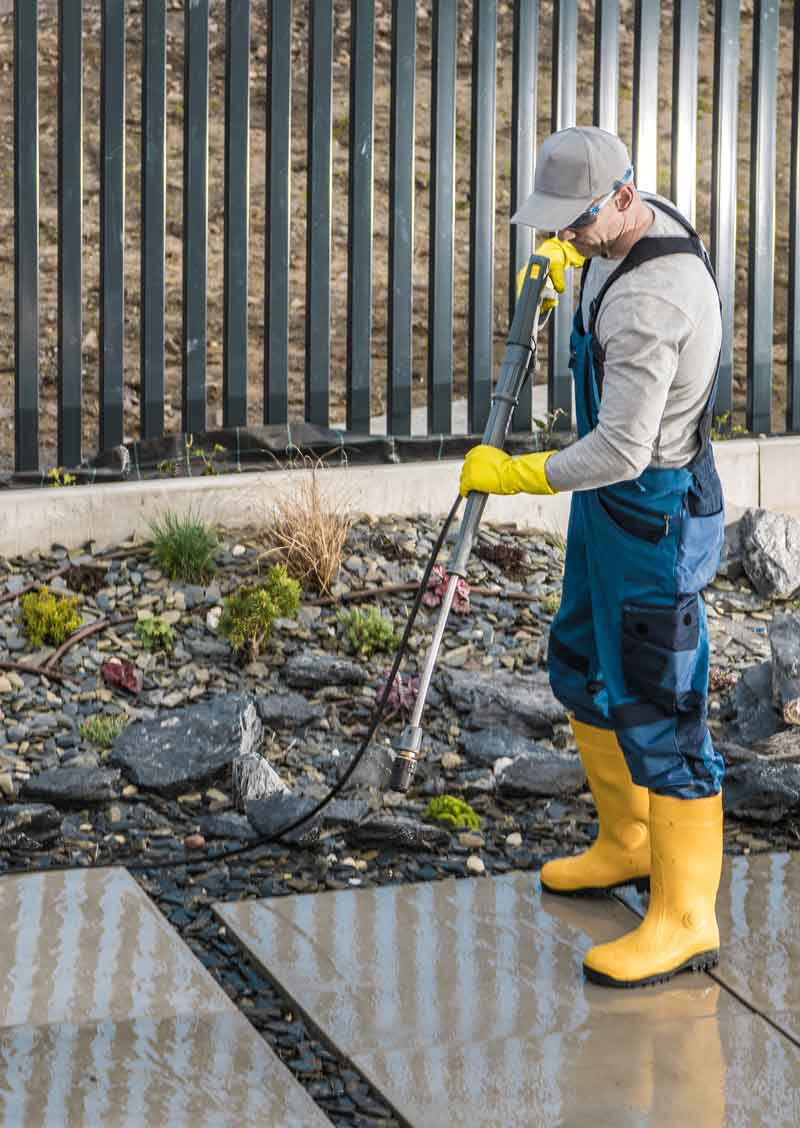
(194, 842)
(475, 866)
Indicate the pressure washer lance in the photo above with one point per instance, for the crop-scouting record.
(518, 363)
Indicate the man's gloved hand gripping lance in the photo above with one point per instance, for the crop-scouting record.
(517, 364)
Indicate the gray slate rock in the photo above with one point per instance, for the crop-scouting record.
(188, 746)
(407, 834)
(74, 785)
(542, 773)
(525, 705)
(227, 824)
(762, 791)
(756, 718)
(271, 815)
(345, 812)
(730, 562)
(771, 552)
(784, 641)
(279, 709)
(486, 746)
(315, 671)
(38, 821)
(374, 769)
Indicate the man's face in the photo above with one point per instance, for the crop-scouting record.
(605, 228)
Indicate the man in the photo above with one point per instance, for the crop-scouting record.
(628, 650)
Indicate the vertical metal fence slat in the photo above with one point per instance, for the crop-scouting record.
(195, 212)
(683, 169)
(401, 217)
(606, 64)
(442, 213)
(359, 227)
(318, 243)
(523, 158)
(278, 202)
(70, 251)
(762, 216)
(564, 101)
(647, 28)
(481, 216)
(237, 211)
(151, 338)
(26, 237)
(723, 183)
(112, 223)
(793, 350)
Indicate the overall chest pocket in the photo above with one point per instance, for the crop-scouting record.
(659, 650)
(637, 522)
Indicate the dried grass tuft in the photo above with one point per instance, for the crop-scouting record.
(306, 531)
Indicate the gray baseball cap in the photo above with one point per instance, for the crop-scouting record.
(574, 167)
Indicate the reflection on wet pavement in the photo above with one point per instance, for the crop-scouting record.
(464, 1002)
(106, 1018)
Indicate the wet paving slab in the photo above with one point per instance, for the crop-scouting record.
(107, 1018)
(464, 1002)
(759, 918)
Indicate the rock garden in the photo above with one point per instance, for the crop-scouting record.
(165, 702)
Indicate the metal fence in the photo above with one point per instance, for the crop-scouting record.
(568, 27)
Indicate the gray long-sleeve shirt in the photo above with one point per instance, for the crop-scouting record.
(660, 330)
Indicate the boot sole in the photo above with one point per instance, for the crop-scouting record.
(702, 961)
(641, 884)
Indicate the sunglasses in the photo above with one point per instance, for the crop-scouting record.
(590, 215)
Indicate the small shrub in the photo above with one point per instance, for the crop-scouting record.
(306, 532)
(183, 548)
(368, 632)
(249, 613)
(102, 729)
(58, 476)
(155, 634)
(437, 589)
(724, 427)
(455, 812)
(48, 618)
(403, 693)
(551, 603)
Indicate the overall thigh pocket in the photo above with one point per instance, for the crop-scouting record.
(659, 645)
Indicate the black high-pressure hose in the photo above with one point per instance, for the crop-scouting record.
(269, 839)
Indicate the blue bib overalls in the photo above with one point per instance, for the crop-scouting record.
(629, 645)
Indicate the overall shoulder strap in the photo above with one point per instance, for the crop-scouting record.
(652, 247)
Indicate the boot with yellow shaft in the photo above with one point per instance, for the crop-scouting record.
(680, 931)
(621, 853)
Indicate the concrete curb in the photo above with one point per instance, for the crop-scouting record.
(755, 472)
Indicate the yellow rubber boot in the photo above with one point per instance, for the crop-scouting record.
(679, 932)
(621, 852)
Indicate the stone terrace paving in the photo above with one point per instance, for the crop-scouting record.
(464, 1002)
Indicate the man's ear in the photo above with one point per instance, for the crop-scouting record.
(625, 197)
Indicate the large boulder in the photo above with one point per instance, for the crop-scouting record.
(74, 786)
(524, 705)
(756, 717)
(188, 747)
(37, 822)
(770, 545)
(762, 791)
(541, 774)
(784, 641)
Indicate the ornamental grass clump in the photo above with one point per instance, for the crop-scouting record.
(368, 632)
(184, 547)
(306, 531)
(154, 633)
(248, 614)
(48, 618)
(455, 812)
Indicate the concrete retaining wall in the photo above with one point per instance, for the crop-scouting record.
(763, 472)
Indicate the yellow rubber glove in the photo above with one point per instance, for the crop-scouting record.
(561, 255)
(489, 470)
